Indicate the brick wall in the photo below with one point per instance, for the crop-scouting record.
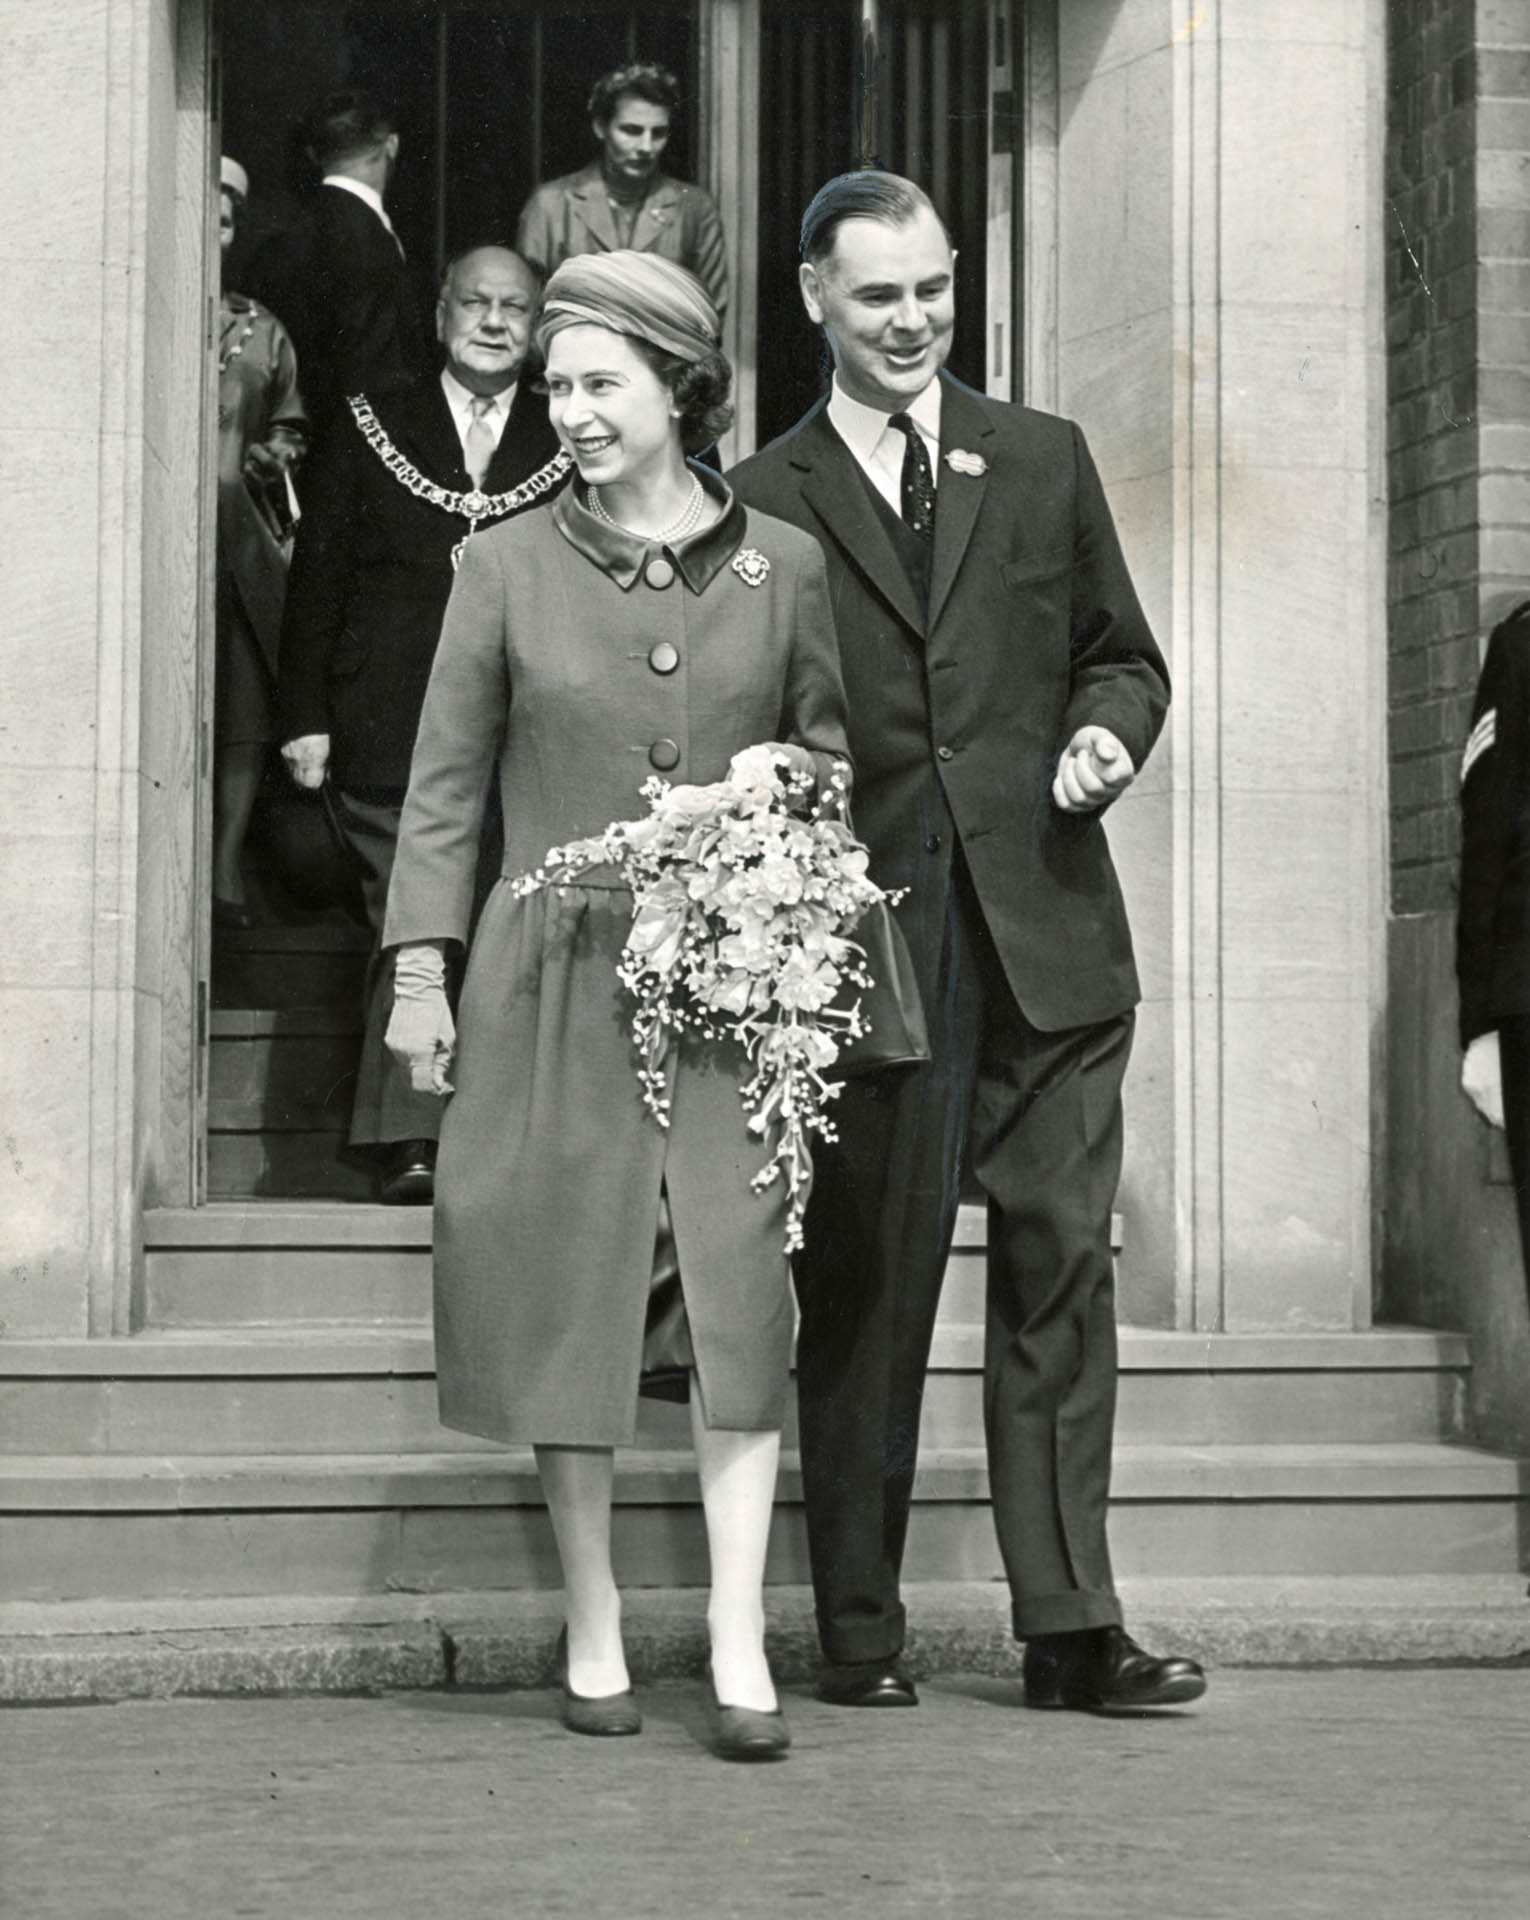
(1458, 396)
(1432, 398)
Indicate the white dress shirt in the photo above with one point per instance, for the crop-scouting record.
(368, 196)
(461, 403)
(878, 448)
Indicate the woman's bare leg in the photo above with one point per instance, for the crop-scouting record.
(576, 1482)
(738, 1485)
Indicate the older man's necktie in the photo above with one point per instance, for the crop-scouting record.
(478, 445)
(918, 481)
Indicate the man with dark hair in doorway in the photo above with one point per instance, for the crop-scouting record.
(1003, 690)
(393, 496)
(339, 278)
(622, 198)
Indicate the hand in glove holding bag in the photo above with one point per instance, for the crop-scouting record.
(421, 1034)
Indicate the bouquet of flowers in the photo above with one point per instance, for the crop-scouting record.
(745, 893)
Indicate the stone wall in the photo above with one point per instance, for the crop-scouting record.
(1458, 419)
(1218, 315)
(99, 318)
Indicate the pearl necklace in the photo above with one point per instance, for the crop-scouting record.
(676, 530)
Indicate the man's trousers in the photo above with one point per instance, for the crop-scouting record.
(1041, 1115)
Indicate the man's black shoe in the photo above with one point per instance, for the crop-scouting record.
(870, 1683)
(1103, 1670)
(409, 1173)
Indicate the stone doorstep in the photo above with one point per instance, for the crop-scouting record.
(123, 1650)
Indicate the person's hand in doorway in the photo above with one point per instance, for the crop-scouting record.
(306, 758)
(1482, 1078)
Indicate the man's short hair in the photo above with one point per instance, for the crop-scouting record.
(863, 195)
(344, 125)
(657, 85)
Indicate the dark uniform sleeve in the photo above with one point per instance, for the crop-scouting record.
(1120, 680)
(319, 585)
(1493, 801)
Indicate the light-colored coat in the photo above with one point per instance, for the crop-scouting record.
(550, 1170)
(677, 220)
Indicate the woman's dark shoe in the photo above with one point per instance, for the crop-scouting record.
(607, 1716)
(748, 1733)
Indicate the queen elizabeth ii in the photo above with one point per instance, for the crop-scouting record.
(643, 622)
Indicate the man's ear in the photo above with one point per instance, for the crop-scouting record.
(390, 146)
(441, 317)
(812, 293)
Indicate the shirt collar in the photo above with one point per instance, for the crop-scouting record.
(368, 195)
(861, 427)
(698, 558)
(460, 400)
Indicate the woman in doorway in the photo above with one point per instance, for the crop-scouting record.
(643, 621)
(262, 435)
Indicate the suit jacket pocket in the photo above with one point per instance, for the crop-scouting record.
(1034, 567)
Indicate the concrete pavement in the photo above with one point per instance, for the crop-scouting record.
(1285, 1794)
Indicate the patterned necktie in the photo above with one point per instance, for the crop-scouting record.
(478, 447)
(918, 486)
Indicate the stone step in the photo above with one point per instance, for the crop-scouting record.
(266, 1263)
(316, 964)
(315, 1643)
(120, 1527)
(372, 1390)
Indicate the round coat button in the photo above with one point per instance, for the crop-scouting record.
(664, 658)
(664, 755)
(659, 573)
(944, 753)
(932, 844)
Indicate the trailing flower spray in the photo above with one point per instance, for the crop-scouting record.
(745, 895)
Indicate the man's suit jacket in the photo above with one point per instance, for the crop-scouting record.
(355, 319)
(959, 712)
(573, 215)
(372, 572)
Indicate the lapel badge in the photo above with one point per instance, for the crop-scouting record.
(960, 461)
(751, 566)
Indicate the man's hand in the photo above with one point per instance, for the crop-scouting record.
(263, 464)
(307, 757)
(1093, 770)
(1482, 1078)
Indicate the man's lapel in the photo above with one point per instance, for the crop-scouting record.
(657, 212)
(592, 209)
(834, 487)
(964, 427)
(528, 442)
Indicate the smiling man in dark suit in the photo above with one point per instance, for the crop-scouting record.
(392, 497)
(1003, 689)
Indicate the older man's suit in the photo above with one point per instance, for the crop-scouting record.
(969, 666)
(371, 575)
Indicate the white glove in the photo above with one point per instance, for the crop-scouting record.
(421, 1035)
(307, 757)
(1482, 1078)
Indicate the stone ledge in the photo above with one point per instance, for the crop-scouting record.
(115, 1651)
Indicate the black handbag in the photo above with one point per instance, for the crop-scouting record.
(896, 1033)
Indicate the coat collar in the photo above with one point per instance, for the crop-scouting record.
(698, 559)
(592, 206)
